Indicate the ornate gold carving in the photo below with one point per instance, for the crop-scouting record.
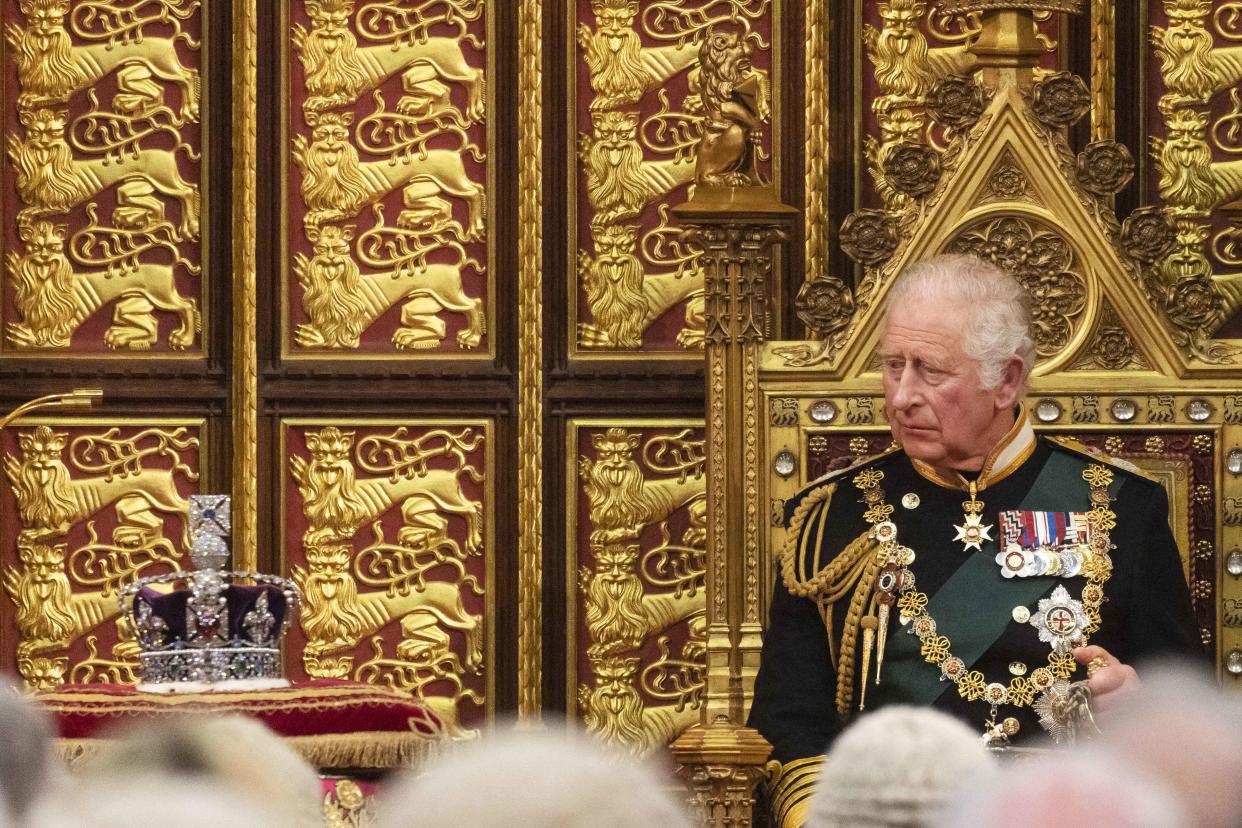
(1146, 235)
(1043, 261)
(629, 598)
(735, 105)
(622, 70)
(1060, 99)
(815, 126)
(1103, 70)
(1233, 409)
(1193, 71)
(345, 806)
(1086, 409)
(1105, 167)
(1007, 182)
(783, 412)
(530, 360)
(136, 476)
(428, 149)
(245, 379)
(60, 164)
(825, 306)
(422, 477)
(869, 237)
(1160, 409)
(859, 411)
(1111, 347)
(973, 6)
(912, 169)
(957, 102)
(722, 762)
(631, 281)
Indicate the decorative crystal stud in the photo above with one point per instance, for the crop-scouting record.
(1048, 411)
(785, 463)
(1198, 410)
(823, 411)
(1233, 461)
(1124, 410)
(1233, 563)
(1233, 662)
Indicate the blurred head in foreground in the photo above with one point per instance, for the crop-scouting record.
(899, 766)
(27, 765)
(191, 771)
(551, 778)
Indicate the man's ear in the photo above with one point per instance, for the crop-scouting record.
(1011, 384)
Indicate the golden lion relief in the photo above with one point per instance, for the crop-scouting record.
(619, 182)
(1193, 71)
(623, 502)
(337, 71)
(341, 303)
(622, 71)
(905, 68)
(625, 301)
(51, 180)
(53, 300)
(50, 68)
(613, 710)
(336, 185)
(50, 502)
(735, 105)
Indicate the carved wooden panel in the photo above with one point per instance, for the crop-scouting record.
(104, 122)
(638, 556)
(386, 179)
(638, 108)
(387, 530)
(88, 507)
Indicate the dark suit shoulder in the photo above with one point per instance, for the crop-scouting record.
(816, 486)
(1089, 454)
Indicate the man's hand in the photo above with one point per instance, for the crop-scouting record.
(1107, 677)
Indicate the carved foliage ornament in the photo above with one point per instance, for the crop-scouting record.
(1043, 262)
(1060, 99)
(869, 237)
(957, 102)
(1146, 235)
(1104, 167)
(912, 168)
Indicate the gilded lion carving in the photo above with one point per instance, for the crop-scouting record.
(50, 68)
(53, 300)
(624, 300)
(338, 71)
(49, 615)
(336, 185)
(49, 501)
(623, 502)
(905, 68)
(50, 180)
(336, 503)
(622, 71)
(341, 303)
(619, 615)
(336, 616)
(613, 710)
(619, 182)
(1193, 71)
(735, 104)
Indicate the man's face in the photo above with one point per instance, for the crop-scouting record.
(936, 407)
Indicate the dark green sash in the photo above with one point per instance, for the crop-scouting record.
(975, 605)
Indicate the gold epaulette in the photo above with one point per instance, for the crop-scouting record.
(790, 787)
(1096, 456)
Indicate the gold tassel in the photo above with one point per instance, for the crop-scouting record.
(868, 625)
(880, 639)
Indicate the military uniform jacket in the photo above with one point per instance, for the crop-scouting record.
(1146, 611)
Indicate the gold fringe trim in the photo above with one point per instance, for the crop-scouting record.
(791, 787)
(365, 749)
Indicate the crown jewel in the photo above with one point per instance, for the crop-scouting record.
(210, 627)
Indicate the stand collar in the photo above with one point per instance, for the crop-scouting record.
(1003, 460)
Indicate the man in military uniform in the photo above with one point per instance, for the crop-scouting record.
(975, 567)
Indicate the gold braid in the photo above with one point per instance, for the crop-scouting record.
(856, 567)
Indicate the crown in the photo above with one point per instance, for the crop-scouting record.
(210, 627)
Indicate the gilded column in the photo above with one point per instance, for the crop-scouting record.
(530, 357)
(245, 355)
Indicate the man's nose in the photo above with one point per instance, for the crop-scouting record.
(907, 392)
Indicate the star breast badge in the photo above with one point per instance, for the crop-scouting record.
(972, 532)
(1060, 620)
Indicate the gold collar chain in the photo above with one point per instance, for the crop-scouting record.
(912, 604)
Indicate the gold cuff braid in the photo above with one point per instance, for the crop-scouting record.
(790, 788)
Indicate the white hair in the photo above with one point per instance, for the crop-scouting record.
(544, 779)
(997, 326)
(235, 752)
(147, 798)
(26, 763)
(899, 766)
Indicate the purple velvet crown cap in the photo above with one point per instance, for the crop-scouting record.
(240, 602)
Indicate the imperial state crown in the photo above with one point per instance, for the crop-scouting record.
(205, 626)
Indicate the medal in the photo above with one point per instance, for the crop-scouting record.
(1060, 620)
(972, 533)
